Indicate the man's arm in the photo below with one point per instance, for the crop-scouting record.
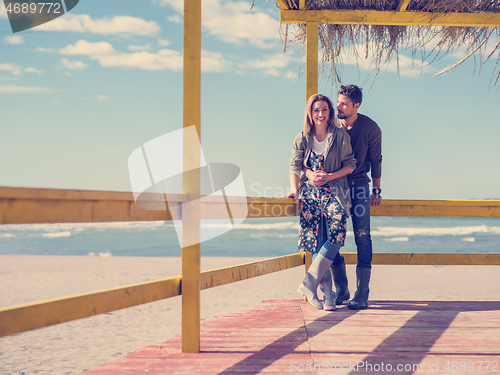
(375, 159)
(375, 199)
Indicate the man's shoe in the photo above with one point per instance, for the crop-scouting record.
(340, 280)
(360, 300)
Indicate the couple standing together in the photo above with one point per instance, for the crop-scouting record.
(329, 169)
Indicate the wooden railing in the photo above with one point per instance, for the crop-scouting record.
(25, 205)
(27, 317)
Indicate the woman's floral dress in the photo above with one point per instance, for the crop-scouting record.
(318, 206)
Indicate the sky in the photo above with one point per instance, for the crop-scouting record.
(79, 94)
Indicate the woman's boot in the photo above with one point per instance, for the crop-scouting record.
(340, 279)
(309, 286)
(329, 294)
(360, 300)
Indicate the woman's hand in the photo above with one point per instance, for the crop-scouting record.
(317, 178)
(293, 193)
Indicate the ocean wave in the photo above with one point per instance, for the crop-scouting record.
(274, 226)
(468, 239)
(273, 235)
(397, 239)
(57, 234)
(76, 227)
(103, 255)
(6, 235)
(447, 231)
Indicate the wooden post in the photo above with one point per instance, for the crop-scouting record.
(311, 59)
(307, 260)
(191, 186)
(307, 263)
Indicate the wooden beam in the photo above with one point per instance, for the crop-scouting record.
(31, 316)
(403, 4)
(312, 58)
(282, 4)
(437, 208)
(222, 276)
(373, 17)
(32, 205)
(27, 317)
(435, 259)
(18, 319)
(27, 206)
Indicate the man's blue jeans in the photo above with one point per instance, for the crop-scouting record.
(360, 214)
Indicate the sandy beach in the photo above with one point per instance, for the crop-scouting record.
(74, 347)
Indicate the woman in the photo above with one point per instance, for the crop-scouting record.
(323, 152)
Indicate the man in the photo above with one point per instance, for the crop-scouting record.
(366, 142)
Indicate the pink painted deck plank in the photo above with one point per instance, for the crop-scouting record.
(291, 336)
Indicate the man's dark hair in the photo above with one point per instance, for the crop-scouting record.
(353, 92)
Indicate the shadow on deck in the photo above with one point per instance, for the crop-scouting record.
(291, 336)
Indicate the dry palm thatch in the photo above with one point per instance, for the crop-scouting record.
(379, 44)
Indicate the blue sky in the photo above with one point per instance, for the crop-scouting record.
(80, 93)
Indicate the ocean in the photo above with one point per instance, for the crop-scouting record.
(254, 237)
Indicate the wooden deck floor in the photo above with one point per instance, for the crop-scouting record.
(291, 336)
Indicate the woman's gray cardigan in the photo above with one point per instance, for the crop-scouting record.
(338, 155)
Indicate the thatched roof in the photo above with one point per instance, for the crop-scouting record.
(433, 6)
(379, 44)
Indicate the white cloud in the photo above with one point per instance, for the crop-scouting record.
(32, 70)
(162, 60)
(177, 5)
(82, 47)
(14, 39)
(164, 42)
(73, 64)
(214, 62)
(13, 89)
(108, 57)
(398, 64)
(407, 67)
(17, 70)
(3, 12)
(274, 65)
(11, 68)
(41, 49)
(135, 48)
(98, 98)
(125, 25)
(165, 59)
(174, 19)
(233, 22)
(272, 61)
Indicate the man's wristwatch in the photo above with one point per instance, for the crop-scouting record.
(376, 191)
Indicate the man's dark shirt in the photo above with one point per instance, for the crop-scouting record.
(366, 142)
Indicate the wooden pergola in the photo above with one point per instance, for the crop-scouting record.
(191, 111)
(400, 17)
(27, 205)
